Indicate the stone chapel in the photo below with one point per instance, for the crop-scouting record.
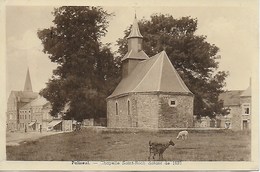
(151, 93)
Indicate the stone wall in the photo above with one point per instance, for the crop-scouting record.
(178, 116)
(124, 117)
(235, 117)
(143, 111)
(147, 110)
(150, 110)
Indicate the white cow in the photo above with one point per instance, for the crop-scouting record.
(183, 135)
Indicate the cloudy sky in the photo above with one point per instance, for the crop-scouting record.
(232, 26)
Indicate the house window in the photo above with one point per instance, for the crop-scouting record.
(246, 109)
(245, 124)
(116, 108)
(172, 102)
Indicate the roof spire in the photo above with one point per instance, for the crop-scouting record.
(135, 32)
(28, 84)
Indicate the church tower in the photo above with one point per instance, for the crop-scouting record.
(28, 84)
(135, 52)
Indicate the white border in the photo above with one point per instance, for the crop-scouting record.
(36, 165)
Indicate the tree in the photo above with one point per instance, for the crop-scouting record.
(86, 72)
(193, 57)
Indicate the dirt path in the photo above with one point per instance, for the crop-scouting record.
(15, 138)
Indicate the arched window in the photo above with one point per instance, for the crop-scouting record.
(128, 107)
(116, 108)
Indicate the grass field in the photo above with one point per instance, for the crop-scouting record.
(90, 145)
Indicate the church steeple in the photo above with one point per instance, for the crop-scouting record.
(135, 38)
(135, 32)
(135, 52)
(28, 84)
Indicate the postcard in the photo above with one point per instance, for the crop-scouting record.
(131, 85)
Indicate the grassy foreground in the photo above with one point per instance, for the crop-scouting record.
(90, 145)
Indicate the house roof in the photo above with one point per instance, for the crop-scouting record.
(246, 93)
(40, 101)
(154, 74)
(141, 55)
(231, 98)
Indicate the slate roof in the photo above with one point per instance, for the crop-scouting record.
(141, 55)
(40, 101)
(231, 98)
(135, 32)
(154, 74)
(246, 93)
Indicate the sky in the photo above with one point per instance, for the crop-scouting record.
(233, 27)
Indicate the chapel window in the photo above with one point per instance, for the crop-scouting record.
(128, 107)
(116, 108)
(172, 102)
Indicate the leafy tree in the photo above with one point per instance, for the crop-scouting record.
(193, 57)
(86, 72)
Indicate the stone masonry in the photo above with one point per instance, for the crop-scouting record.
(180, 116)
(150, 110)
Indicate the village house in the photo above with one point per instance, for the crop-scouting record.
(35, 115)
(238, 105)
(28, 111)
(151, 93)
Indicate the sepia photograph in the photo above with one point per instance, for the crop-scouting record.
(130, 85)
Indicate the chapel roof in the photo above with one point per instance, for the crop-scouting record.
(154, 74)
